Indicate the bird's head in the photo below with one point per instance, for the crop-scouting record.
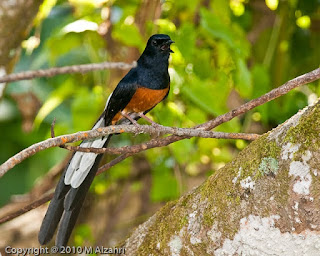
(157, 51)
(160, 43)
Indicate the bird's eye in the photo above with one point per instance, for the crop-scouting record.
(154, 42)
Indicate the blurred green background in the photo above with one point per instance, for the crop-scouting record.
(226, 53)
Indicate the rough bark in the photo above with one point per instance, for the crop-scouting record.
(16, 18)
(265, 202)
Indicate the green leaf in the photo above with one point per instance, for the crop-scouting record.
(86, 108)
(62, 44)
(181, 149)
(243, 79)
(203, 64)
(56, 97)
(196, 115)
(224, 59)
(166, 26)
(233, 35)
(260, 80)
(164, 187)
(44, 11)
(120, 171)
(185, 39)
(214, 26)
(233, 125)
(204, 93)
(129, 35)
(261, 85)
(83, 233)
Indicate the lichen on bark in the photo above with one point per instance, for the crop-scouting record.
(271, 187)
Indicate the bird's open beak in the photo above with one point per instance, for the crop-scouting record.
(166, 46)
(169, 43)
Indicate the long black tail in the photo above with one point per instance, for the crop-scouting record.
(65, 206)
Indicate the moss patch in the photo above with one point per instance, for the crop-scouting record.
(307, 132)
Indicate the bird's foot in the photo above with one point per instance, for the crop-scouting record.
(134, 122)
(154, 124)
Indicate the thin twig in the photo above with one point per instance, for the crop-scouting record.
(53, 133)
(118, 159)
(48, 197)
(140, 147)
(84, 68)
(52, 128)
(27, 208)
(92, 134)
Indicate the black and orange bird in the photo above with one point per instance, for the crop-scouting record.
(140, 90)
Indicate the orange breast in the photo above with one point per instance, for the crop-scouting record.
(143, 100)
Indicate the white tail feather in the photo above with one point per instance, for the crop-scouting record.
(86, 163)
(81, 162)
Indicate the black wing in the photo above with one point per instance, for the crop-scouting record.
(121, 95)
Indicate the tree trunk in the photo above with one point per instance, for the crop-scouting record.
(16, 19)
(265, 202)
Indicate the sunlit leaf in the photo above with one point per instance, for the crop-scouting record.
(204, 94)
(83, 233)
(304, 21)
(261, 85)
(129, 35)
(165, 25)
(185, 39)
(86, 108)
(197, 116)
(159, 182)
(237, 7)
(216, 28)
(44, 11)
(272, 4)
(203, 64)
(230, 34)
(80, 26)
(182, 149)
(243, 79)
(53, 101)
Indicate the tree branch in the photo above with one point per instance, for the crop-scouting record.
(275, 93)
(27, 208)
(100, 132)
(143, 146)
(179, 133)
(48, 197)
(115, 161)
(61, 140)
(27, 75)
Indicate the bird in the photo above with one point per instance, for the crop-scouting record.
(139, 91)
